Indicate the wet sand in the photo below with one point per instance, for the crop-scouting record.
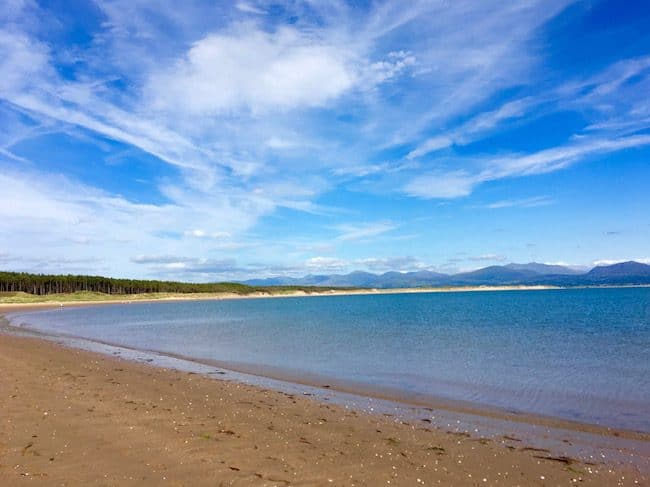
(72, 417)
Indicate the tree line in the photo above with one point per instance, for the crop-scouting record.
(41, 284)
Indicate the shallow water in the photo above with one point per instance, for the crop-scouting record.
(579, 354)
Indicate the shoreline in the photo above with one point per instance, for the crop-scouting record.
(317, 381)
(401, 399)
(117, 405)
(43, 302)
(550, 439)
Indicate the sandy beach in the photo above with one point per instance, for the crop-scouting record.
(29, 302)
(71, 417)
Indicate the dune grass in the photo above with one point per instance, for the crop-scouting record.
(91, 296)
(26, 298)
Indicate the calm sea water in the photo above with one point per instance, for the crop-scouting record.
(575, 354)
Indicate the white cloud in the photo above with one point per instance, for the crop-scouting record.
(431, 145)
(359, 171)
(474, 128)
(249, 9)
(280, 143)
(457, 183)
(452, 184)
(521, 203)
(605, 262)
(52, 214)
(199, 233)
(243, 66)
(21, 60)
(364, 170)
(363, 231)
(394, 65)
(325, 263)
(615, 93)
(487, 258)
(559, 157)
(248, 68)
(120, 125)
(253, 117)
(207, 267)
(406, 263)
(157, 259)
(465, 67)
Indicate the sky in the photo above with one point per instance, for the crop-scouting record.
(208, 141)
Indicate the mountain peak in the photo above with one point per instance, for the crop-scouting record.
(621, 269)
(515, 274)
(544, 269)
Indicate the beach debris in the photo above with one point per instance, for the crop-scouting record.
(483, 441)
(532, 448)
(437, 449)
(561, 459)
(463, 434)
(26, 447)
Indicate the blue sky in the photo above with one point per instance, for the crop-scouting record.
(225, 140)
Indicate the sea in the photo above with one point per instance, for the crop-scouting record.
(574, 354)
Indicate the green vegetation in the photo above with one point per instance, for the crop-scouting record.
(84, 296)
(20, 287)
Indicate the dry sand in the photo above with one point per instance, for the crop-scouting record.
(50, 301)
(71, 417)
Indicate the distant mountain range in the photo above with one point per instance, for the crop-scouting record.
(510, 274)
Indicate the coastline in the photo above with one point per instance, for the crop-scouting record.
(258, 374)
(564, 452)
(134, 421)
(53, 301)
(8, 305)
(261, 373)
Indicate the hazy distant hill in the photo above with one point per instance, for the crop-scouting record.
(531, 273)
(359, 279)
(545, 269)
(493, 275)
(625, 272)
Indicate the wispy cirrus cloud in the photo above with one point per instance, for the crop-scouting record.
(364, 230)
(474, 128)
(250, 8)
(455, 183)
(617, 90)
(531, 202)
